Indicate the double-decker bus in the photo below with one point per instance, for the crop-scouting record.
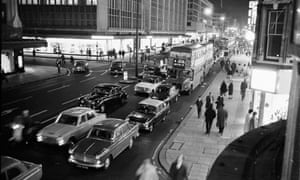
(189, 64)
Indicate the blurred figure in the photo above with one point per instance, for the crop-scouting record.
(209, 99)
(219, 102)
(210, 115)
(178, 170)
(247, 120)
(252, 121)
(17, 130)
(223, 88)
(230, 90)
(199, 104)
(243, 88)
(222, 117)
(147, 171)
(28, 125)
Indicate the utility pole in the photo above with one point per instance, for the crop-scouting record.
(136, 39)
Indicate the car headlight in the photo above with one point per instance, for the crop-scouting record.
(60, 141)
(71, 158)
(127, 119)
(104, 151)
(39, 138)
(146, 124)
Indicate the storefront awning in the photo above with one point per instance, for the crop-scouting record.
(23, 43)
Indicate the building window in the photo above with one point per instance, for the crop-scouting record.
(91, 2)
(274, 34)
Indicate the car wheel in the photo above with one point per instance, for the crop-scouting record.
(151, 128)
(102, 108)
(107, 162)
(130, 143)
(176, 98)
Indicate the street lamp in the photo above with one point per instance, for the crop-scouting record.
(137, 38)
(222, 19)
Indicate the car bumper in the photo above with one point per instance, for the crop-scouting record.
(86, 164)
(51, 141)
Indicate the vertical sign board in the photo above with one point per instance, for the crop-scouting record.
(125, 75)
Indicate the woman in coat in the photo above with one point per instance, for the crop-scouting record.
(230, 90)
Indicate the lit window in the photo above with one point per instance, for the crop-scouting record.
(70, 2)
(34, 1)
(75, 2)
(29, 1)
(52, 2)
(23, 2)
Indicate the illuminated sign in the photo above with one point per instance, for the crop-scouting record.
(179, 63)
(264, 80)
(296, 35)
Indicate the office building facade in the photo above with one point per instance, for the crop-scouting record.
(73, 26)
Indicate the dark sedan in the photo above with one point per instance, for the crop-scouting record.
(104, 96)
(81, 66)
(117, 67)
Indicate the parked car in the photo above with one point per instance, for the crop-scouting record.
(167, 93)
(14, 169)
(117, 67)
(105, 141)
(80, 66)
(151, 69)
(148, 84)
(70, 125)
(104, 96)
(149, 112)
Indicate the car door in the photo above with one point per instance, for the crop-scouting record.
(125, 138)
(83, 126)
(117, 143)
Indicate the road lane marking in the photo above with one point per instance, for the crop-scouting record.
(8, 111)
(90, 73)
(125, 87)
(47, 120)
(67, 102)
(103, 73)
(55, 89)
(38, 113)
(87, 79)
(18, 100)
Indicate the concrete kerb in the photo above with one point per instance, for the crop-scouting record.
(162, 151)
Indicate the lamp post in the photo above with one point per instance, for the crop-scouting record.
(222, 19)
(136, 38)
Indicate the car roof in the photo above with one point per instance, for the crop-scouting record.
(77, 111)
(107, 85)
(152, 102)
(7, 162)
(110, 124)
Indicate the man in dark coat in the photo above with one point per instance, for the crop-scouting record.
(230, 90)
(220, 101)
(208, 99)
(210, 115)
(243, 88)
(223, 88)
(221, 119)
(199, 104)
(178, 170)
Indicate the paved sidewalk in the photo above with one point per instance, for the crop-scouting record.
(200, 151)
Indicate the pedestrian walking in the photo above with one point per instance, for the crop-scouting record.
(58, 65)
(220, 102)
(230, 90)
(223, 88)
(243, 88)
(222, 63)
(72, 60)
(147, 171)
(123, 54)
(247, 120)
(120, 53)
(178, 170)
(222, 116)
(252, 121)
(208, 100)
(28, 125)
(199, 104)
(63, 62)
(210, 115)
(17, 127)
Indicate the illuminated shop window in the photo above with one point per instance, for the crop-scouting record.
(91, 2)
(34, 1)
(75, 2)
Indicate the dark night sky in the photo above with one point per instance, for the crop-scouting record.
(235, 9)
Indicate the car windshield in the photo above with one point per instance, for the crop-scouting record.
(79, 63)
(101, 134)
(149, 79)
(116, 64)
(101, 90)
(144, 108)
(68, 119)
